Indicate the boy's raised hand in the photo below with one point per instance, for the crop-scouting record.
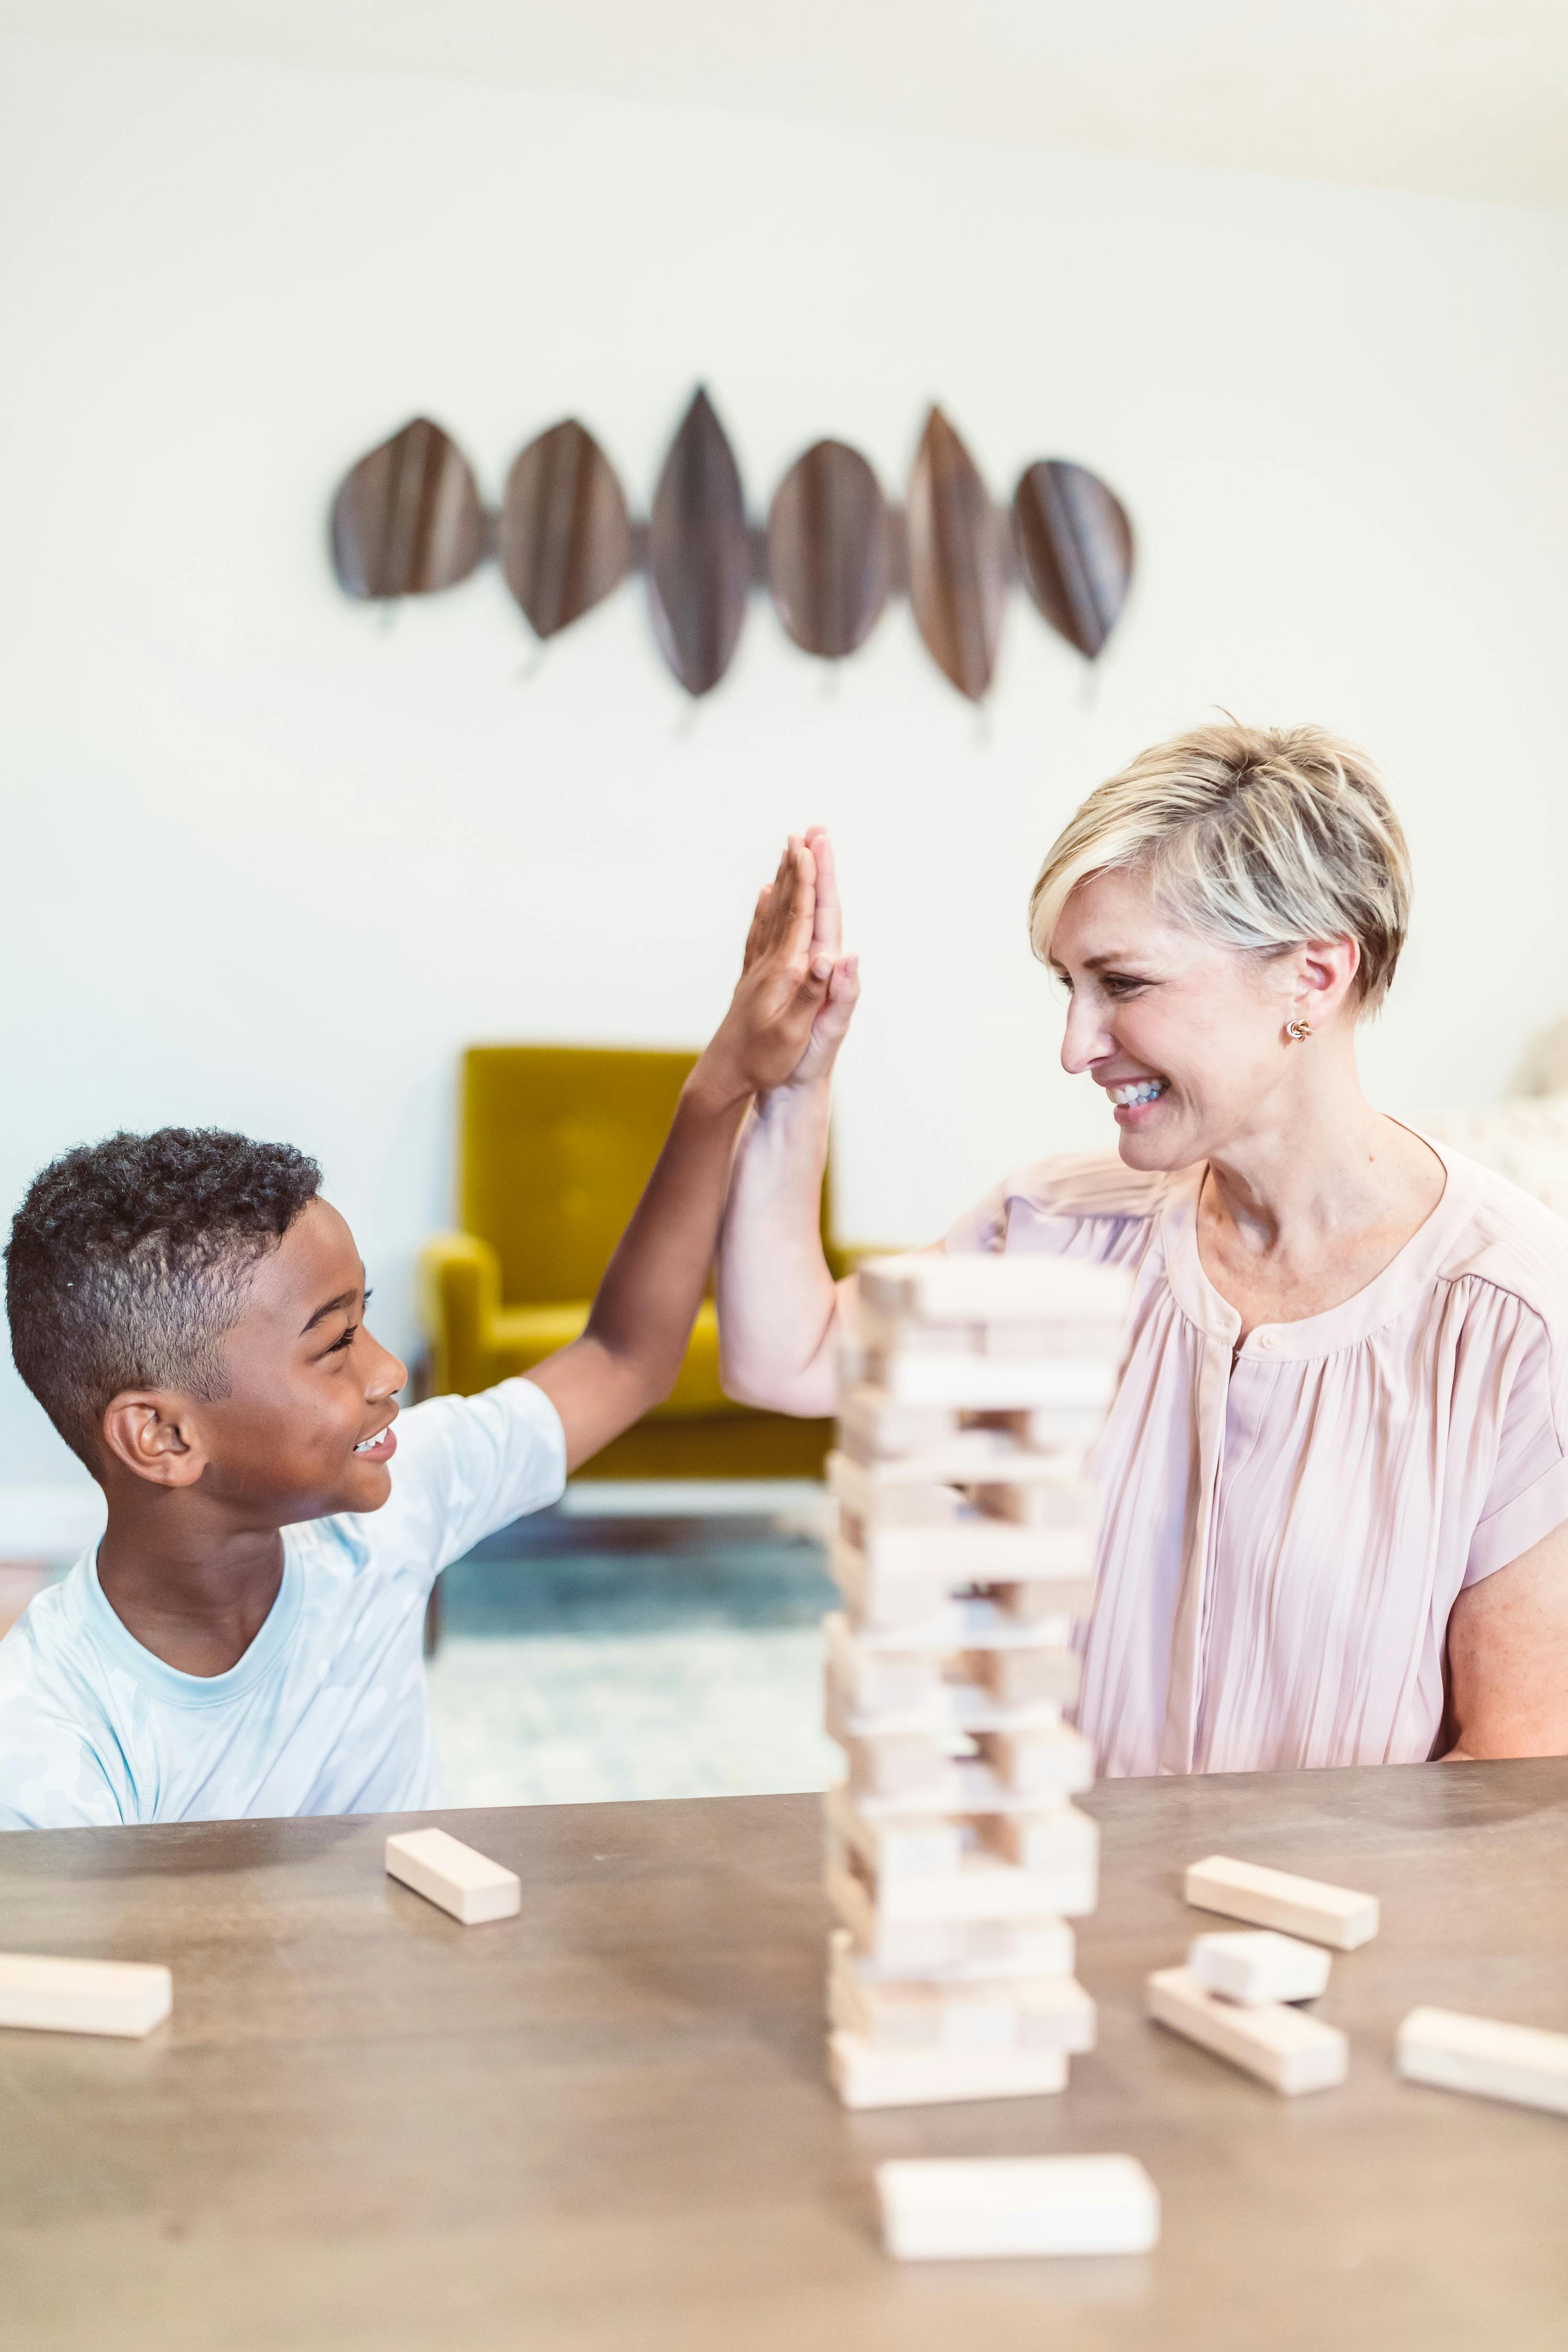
(796, 991)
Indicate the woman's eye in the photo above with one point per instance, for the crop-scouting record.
(1115, 984)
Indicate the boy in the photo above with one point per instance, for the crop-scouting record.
(189, 1311)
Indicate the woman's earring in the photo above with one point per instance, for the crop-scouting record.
(1298, 1031)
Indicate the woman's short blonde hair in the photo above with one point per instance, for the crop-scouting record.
(1260, 837)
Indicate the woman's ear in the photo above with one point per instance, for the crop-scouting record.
(151, 1432)
(1325, 970)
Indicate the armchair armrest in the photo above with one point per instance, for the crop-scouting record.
(459, 1290)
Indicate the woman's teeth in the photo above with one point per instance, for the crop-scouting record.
(1142, 1091)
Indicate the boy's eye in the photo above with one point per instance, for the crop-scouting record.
(340, 1346)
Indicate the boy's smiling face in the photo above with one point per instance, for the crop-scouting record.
(305, 1430)
(306, 1427)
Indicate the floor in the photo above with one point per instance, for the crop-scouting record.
(584, 1659)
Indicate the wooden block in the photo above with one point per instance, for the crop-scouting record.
(1043, 1837)
(1068, 1431)
(962, 2209)
(882, 1503)
(1259, 1966)
(872, 1428)
(970, 1457)
(1283, 2047)
(873, 1695)
(1276, 1898)
(947, 1947)
(973, 1548)
(900, 1771)
(1023, 1678)
(877, 1331)
(1055, 1762)
(896, 1845)
(980, 1885)
(938, 1782)
(1523, 2063)
(931, 1287)
(945, 1614)
(868, 2077)
(445, 1872)
(991, 1383)
(984, 2013)
(1063, 1503)
(123, 1997)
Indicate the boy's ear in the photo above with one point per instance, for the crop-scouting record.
(152, 1433)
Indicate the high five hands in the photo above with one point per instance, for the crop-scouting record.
(797, 988)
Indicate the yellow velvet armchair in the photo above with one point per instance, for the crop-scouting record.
(555, 1143)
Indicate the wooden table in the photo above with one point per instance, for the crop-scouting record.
(604, 2124)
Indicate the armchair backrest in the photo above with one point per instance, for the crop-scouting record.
(555, 1143)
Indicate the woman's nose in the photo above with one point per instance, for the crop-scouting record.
(1084, 1040)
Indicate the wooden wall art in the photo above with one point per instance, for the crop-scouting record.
(408, 519)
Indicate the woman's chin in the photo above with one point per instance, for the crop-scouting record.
(1152, 1145)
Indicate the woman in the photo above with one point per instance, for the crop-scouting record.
(1336, 1491)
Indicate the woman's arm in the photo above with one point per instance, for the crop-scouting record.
(777, 1301)
(629, 1355)
(1508, 1658)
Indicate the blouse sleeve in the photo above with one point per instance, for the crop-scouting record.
(1078, 1205)
(1528, 1496)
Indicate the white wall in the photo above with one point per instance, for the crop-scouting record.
(270, 864)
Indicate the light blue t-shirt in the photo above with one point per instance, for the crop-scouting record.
(327, 1711)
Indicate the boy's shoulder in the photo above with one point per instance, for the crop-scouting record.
(54, 1726)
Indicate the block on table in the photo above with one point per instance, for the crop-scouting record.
(1061, 1503)
(868, 2077)
(1525, 2064)
(1024, 1677)
(446, 1872)
(1257, 1965)
(1278, 1898)
(1283, 2047)
(966, 2208)
(125, 1998)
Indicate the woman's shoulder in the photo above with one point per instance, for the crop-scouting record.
(1036, 1206)
(1511, 1241)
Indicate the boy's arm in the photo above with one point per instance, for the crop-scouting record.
(629, 1355)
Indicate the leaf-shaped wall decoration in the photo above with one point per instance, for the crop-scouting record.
(699, 561)
(827, 551)
(958, 578)
(1075, 543)
(407, 519)
(565, 536)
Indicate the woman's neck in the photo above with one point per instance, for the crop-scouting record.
(1298, 1214)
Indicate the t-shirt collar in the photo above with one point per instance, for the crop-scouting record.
(118, 1646)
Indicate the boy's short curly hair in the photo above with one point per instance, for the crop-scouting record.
(130, 1259)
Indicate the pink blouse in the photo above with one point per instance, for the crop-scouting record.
(1286, 1530)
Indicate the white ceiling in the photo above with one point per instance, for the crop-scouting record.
(1463, 98)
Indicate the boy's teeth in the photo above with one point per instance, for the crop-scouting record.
(367, 1443)
(1144, 1090)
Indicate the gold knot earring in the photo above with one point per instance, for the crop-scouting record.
(1298, 1031)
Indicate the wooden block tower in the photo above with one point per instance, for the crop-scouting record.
(973, 1388)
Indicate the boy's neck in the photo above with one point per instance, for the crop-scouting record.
(194, 1590)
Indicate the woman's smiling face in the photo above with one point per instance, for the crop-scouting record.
(1185, 1035)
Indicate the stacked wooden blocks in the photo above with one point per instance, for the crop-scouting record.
(973, 1388)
